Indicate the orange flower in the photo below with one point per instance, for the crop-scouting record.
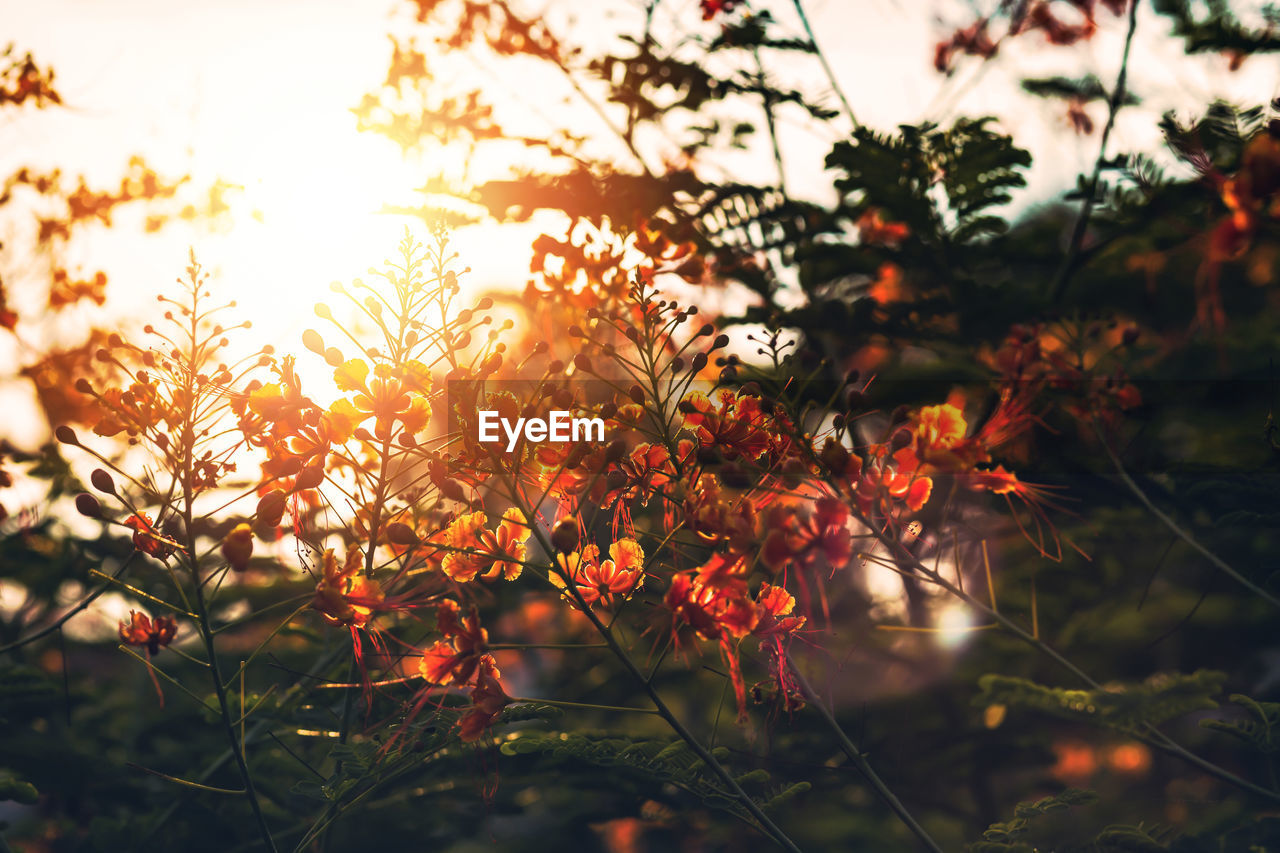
(344, 596)
(478, 551)
(281, 404)
(897, 478)
(139, 407)
(1034, 497)
(774, 604)
(939, 427)
(823, 534)
(141, 630)
(874, 230)
(735, 425)
(147, 540)
(716, 519)
(887, 286)
(647, 468)
(620, 575)
(487, 701)
(508, 545)
(385, 398)
(454, 659)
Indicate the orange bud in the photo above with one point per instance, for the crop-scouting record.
(237, 547)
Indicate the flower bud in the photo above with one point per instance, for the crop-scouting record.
(88, 506)
(102, 481)
(237, 547)
(401, 534)
(566, 537)
(310, 478)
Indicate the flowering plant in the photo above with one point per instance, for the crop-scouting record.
(860, 558)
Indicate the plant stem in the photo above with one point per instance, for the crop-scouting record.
(860, 761)
(586, 706)
(1150, 734)
(1071, 261)
(202, 622)
(224, 709)
(678, 727)
(1176, 530)
(817, 51)
(216, 675)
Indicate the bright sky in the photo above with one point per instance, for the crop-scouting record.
(259, 93)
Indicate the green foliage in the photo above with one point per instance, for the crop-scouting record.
(1262, 732)
(1006, 837)
(1128, 708)
(1218, 28)
(662, 762)
(24, 691)
(1215, 140)
(17, 790)
(941, 183)
(1085, 89)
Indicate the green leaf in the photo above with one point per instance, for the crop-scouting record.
(1127, 708)
(1262, 732)
(1003, 837)
(18, 791)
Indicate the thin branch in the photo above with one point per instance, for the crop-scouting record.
(817, 51)
(208, 789)
(860, 761)
(1177, 530)
(80, 607)
(1071, 262)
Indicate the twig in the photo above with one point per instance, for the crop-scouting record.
(209, 789)
(860, 761)
(817, 51)
(73, 612)
(1070, 262)
(765, 822)
(1176, 530)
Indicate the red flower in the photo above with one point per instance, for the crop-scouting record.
(345, 596)
(147, 540)
(454, 659)
(873, 230)
(972, 40)
(823, 534)
(142, 630)
(487, 700)
(711, 8)
(735, 425)
(715, 603)
(774, 604)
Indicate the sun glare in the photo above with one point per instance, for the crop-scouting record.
(311, 208)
